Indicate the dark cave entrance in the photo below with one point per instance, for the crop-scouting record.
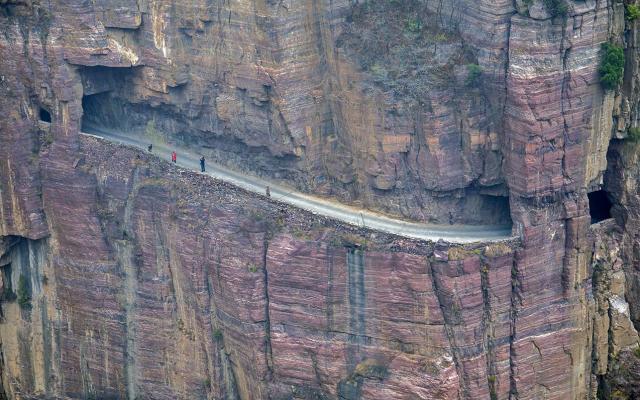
(94, 111)
(103, 104)
(481, 209)
(599, 206)
(500, 208)
(45, 116)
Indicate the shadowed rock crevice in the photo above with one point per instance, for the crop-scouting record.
(268, 353)
(44, 115)
(24, 325)
(357, 302)
(357, 337)
(130, 258)
(515, 302)
(451, 313)
(230, 388)
(488, 332)
(599, 206)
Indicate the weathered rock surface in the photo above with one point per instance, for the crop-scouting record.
(124, 277)
(283, 86)
(613, 329)
(207, 291)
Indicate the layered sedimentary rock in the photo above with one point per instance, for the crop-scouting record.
(124, 277)
(291, 88)
(621, 278)
(195, 289)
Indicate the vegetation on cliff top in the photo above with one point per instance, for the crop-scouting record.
(611, 65)
(633, 12)
(556, 7)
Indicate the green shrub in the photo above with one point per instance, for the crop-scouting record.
(379, 72)
(618, 394)
(491, 381)
(217, 335)
(634, 134)
(24, 298)
(441, 37)
(48, 138)
(413, 25)
(611, 65)
(633, 12)
(252, 268)
(474, 72)
(371, 368)
(556, 7)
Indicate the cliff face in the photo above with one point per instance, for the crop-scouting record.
(191, 288)
(125, 277)
(339, 99)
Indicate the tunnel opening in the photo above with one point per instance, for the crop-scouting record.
(599, 206)
(100, 110)
(103, 91)
(44, 115)
(480, 209)
(498, 209)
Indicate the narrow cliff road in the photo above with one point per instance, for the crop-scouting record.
(351, 215)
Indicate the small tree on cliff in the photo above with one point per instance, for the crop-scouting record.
(611, 65)
(632, 12)
(474, 73)
(24, 298)
(633, 134)
(556, 7)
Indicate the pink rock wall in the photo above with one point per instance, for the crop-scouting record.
(152, 282)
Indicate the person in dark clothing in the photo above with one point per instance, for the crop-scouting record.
(150, 148)
(268, 192)
(174, 156)
(202, 164)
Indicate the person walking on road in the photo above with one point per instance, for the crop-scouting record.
(174, 156)
(150, 148)
(202, 164)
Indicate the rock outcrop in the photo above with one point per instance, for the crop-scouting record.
(125, 277)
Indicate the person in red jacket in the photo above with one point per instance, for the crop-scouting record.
(174, 156)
